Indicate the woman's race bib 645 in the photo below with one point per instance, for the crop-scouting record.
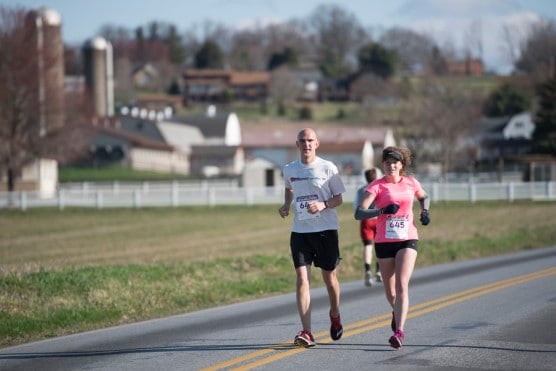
(397, 227)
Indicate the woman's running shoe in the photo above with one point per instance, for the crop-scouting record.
(396, 340)
(304, 339)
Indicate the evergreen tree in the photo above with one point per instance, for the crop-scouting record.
(506, 101)
(378, 60)
(209, 56)
(140, 39)
(174, 88)
(331, 66)
(174, 42)
(544, 136)
(437, 62)
(287, 56)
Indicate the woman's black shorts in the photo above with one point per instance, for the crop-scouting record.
(385, 250)
(320, 248)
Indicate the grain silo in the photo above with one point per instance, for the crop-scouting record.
(99, 79)
(47, 34)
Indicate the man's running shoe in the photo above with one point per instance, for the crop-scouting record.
(368, 279)
(396, 340)
(378, 276)
(336, 328)
(304, 339)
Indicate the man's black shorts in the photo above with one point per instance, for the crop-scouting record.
(320, 248)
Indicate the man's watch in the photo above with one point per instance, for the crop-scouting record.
(326, 205)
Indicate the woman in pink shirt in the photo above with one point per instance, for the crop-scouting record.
(396, 236)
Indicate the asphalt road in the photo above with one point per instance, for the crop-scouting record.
(493, 314)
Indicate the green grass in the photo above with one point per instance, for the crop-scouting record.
(52, 303)
(83, 269)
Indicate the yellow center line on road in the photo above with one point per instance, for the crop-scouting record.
(283, 350)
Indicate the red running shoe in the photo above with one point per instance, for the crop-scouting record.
(396, 340)
(336, 328)
(304, 339)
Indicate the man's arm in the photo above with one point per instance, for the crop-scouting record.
(331, 203)
(284, 210)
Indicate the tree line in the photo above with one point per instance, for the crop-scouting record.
(331, 37)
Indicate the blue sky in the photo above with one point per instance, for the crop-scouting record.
(446, 20)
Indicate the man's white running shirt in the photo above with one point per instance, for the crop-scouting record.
(317, 181)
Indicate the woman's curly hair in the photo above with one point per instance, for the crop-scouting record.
(402, 154)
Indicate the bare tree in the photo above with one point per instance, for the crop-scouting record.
(116, 34)
(248, 51)
(338, 36)
(32, 101)
(284, 89)
(413, 49)
(473, 40)
(120, 37)
(444, 115)
(538, 51)
(291, 34)
(437, 63)
(219, 33)
(27, 119)
(510, 43)
(191, 45)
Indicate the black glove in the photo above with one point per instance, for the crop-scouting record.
(390, 209)
(425, 218)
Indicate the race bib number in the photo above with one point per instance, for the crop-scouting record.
(397, 227)
(302, 205)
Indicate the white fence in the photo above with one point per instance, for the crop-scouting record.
(213, 193)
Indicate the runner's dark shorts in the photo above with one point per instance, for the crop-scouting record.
(320, 248)
(385, 250)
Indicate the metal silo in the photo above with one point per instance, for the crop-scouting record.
(47, 26)
(99, 75)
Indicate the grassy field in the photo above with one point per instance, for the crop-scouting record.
(68, 271)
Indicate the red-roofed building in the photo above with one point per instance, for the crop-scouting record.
(467, 67)
(219, 85)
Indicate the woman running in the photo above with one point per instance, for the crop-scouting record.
(396, 238)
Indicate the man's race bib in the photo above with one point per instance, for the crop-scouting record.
(301, 206)
(397, 227)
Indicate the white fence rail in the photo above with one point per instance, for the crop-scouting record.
(176, 194)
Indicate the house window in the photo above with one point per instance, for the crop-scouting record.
(269, 177)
